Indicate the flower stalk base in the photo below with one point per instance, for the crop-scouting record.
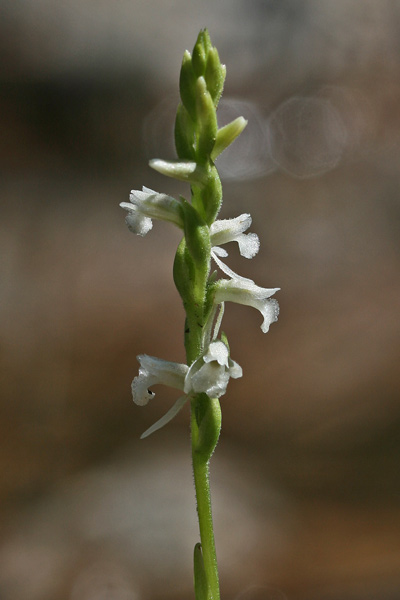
(203, 444)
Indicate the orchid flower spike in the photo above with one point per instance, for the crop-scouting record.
(223, 231)
(146, 205)
(153, 371)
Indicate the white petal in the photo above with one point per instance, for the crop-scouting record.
(228, 229)
(219, 320)
(219, 251)
(242, 291)
(167, 372)
(173, 411)
(157, 206)
(225, 269)
(139, 196)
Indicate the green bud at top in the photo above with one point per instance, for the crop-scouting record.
(206, 40)
(200, 52)
(199, 57)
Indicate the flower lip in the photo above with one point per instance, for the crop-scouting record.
(136, 221)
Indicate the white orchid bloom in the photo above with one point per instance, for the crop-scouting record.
(241, 289)
(146, 205)
(245, 291)
(211, 372)
(153, 371)
(223, 231)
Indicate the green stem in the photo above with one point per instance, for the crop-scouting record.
(204, 513)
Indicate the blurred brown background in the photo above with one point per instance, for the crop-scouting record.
(305, 479)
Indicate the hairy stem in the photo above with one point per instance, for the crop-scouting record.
(204, 513)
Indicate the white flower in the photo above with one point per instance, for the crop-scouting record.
(211, 372)
(155, 370)
(151, 372)
(223, 231)
(241, 289)
(146, 205)
(245, 291)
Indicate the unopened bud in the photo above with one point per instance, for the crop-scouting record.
(207, 120)
(187, 85)
(214, 75)
(227, 135)
(184, 170)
